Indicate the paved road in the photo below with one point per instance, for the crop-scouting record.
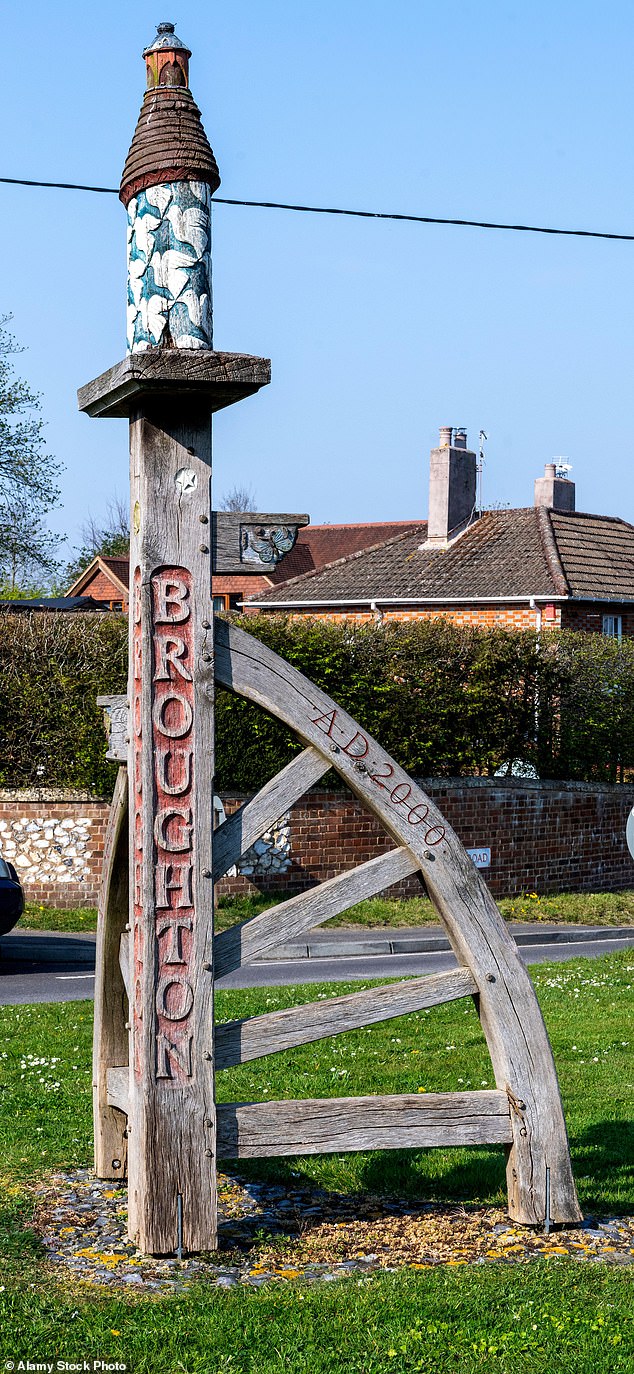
(39, 966)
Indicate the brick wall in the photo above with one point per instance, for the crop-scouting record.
(544, 837)
(512, 616)
(55, 840)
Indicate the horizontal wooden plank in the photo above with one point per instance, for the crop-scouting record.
(241, 830)
(257, 937)
(211, 380)
(238, 1041)
(119, 1087)
(253, 1130)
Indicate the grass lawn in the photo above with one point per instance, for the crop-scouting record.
(584, 908)
(549, 1315)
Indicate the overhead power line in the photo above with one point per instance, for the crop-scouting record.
(356, 214)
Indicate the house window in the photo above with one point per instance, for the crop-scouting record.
(221, 602)
(612, 626)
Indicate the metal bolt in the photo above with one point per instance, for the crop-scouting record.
(209, 1153)
(206, 624)
(207, 967)
(361, 768)
(128, 927)
(128, 1025)
(203, 548)
(116, 1163)
(191, 450)
(207, 1055)
(334, 749)
(490, 977)
(430, 856)
(207, 873)
(204, 519)
(208, 1121)
(208, 658)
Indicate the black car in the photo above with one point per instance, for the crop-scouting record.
(11, 897)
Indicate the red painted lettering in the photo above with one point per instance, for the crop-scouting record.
(173, 715)
(171, 595)
(173, 1055)
(173, 771)
(173, 878)
(170, 654)
(175, 839)
(174, 1005)
(174, 927)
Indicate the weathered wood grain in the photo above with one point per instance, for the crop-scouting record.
(116, 719)
(118, 1087)
(252, 1038)
(258, 936)
(510, 1015)
(252, 1130)
(241, 830)
(172, 1114)
(211, 379)
(110, 1038)
(124, 961)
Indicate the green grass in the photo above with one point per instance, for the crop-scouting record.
(553, 1315)
(584, 908)
(548, 1318)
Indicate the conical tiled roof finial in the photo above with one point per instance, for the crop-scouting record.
(169, 141)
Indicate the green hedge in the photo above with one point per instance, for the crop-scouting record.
(443, 700)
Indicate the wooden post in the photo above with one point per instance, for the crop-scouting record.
(171, 1123)
(169, 397)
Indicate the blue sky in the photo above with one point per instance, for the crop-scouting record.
(378, 333)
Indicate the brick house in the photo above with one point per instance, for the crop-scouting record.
(105, 580)
(545, 566)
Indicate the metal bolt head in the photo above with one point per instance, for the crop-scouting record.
(208, 1121)
(203, 548)
(490, 977)
(429, 856)
(206, 624)
(204, 519)
(209, 1153)
(116, 1163)
(208, 967)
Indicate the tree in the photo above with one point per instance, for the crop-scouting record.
(238, 499)
(109, 539)
(28, 482)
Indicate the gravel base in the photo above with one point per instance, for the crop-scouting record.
(270, 1233)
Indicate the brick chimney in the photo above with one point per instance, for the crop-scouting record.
(557, 493)
(452, 487)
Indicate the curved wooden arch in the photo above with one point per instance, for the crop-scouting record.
(509, 1012)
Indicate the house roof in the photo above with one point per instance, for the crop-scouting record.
(318, 545)
(505, 555)
(53, 603)
(315, 546)
(116, 568)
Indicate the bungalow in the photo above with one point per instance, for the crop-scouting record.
(541, 566)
